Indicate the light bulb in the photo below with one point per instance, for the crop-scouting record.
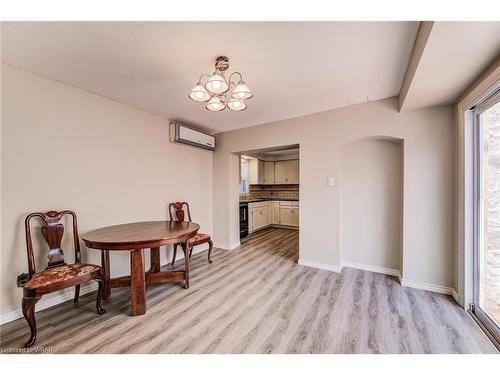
(215, 104)
(237, 105)
(216, 84)
(199, 93)
(241, 91)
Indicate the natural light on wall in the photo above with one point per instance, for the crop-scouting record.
(243, 174)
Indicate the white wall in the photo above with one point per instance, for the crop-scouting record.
(428, 180)
(370, 203)
(63, 147)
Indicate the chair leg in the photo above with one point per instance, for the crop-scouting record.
(28, 306)
(210, 246)
(191, 251)
(105, 273)
(77, 293)
(175, 253)
(100, 294)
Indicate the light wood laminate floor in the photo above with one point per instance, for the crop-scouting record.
(257, 299)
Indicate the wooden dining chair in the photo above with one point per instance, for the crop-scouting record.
(176, 213)
(57, 275)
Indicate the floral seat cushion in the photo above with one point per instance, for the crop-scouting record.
(53, 277)
(199, 238)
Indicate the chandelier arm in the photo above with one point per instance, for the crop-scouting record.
(201, 77)
(232, 74)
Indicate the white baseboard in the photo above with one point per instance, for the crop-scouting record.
(455, 296)
(376, 269)
(429, 287)
(224, 246)
(48, 301)
(383, 270)
(322, 266)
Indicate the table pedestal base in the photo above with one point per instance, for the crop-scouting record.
(139, 280)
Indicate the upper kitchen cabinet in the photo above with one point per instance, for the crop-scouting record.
(286, 172)
(255, 171)
(280, 172)
(273, 172)
(292, 171)
(269, 172)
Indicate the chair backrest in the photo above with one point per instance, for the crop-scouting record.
(176, 211)
(52, 231)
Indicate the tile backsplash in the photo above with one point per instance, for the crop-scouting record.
(271, 191)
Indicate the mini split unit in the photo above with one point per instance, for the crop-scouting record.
(181, 133)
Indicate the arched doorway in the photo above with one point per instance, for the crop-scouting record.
(371, 208)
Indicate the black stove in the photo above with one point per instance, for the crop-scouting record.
(243, 219)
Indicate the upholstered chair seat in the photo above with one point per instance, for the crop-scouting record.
(199, 239)
(54, 278)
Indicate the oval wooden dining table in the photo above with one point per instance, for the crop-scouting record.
(135, 237)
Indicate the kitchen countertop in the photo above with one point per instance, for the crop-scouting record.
(268, 200)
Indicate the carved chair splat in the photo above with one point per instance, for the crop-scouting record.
(177, 212)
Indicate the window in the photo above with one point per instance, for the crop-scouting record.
(243, 174)
(486, 298)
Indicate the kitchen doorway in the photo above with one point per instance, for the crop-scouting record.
(269, 190)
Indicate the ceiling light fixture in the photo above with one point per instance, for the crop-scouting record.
(215, 89)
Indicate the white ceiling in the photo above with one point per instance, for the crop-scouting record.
(454, 55)
(293, 68)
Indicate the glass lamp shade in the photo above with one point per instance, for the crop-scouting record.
(199, 93)
(215, 104)
(237, 105)
(216, 84)
(241, 91)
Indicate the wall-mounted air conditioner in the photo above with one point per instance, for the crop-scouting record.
(181, 133)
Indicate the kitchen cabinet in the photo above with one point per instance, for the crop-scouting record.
(273, 172)
(269, 172)
(280, 172)
(264, 214)
(292, 171)
(295, 217)
(255, 171)
(286, 172)
(275, 212)
(259, 215)
(286, 215)
(289, 215)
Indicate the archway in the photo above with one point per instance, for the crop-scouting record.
(371, 208)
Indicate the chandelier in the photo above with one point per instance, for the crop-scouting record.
(215, 91)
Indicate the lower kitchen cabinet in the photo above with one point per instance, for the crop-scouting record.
(295, 217)
(289, 215)
(264, 214)
(259, 215)
(275, 212)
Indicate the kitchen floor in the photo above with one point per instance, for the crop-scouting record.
(257, 299)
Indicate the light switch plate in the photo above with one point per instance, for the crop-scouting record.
(330, 181)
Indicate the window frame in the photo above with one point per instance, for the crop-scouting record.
(487, 322)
